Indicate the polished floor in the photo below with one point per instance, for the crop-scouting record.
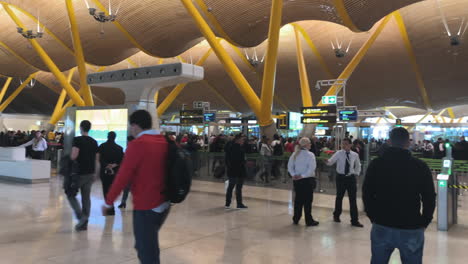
(37, 227)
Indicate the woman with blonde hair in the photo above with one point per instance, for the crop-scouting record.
(302, 166)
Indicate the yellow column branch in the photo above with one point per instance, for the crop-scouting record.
(48, 61)
(5, 88)
(269, 72)
(18, 90)
(348, 71)
(79, 55)
(232, 70)
(304, 79)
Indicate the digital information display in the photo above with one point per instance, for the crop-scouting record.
(318, 120)
(348, 115)
(295, 121)
(103, 121)
(282, 122)
(191, 112)
(191, 120)
(235, 121)
(210, 117)
(318, 110)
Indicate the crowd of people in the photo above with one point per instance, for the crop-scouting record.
(438, 149)
(145, 167)
(35, 142)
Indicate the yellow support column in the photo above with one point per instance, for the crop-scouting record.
(269, 72)
(178, 89)
(343, 14)
(232, 70)
(79, 56)
(412, 57)
(314, 49)
(18, 90)
(348, 71)
(47, 60)
(304, 79)
(259, 76)
(5, 88)
(62, 97)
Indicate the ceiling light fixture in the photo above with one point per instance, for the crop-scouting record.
(30, 85)
(455, 40)
(254, 60)
(101, 16)
(337, 47)
(30, 34)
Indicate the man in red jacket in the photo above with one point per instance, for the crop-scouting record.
(144, 168)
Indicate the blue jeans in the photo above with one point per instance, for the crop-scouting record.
(146, 225)
(384, 240)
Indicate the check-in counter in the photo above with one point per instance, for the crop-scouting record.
(15, 167)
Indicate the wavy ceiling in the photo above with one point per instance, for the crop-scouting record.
(162, 28)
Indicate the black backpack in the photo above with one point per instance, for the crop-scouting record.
(180, 172)
(278, 150)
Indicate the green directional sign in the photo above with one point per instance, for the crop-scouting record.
(328, 99)
(443, 183)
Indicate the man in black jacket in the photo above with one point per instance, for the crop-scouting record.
(395, 186)
(235, 163)
(109, 157)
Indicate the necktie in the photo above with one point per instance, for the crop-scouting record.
(346, 170)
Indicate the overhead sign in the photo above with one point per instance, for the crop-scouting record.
(329, 99)
(348, 115)
(398, 122)
(318, 110)
(210, 117)
(191, 112)
(318, 120)
(282, 122)
(191, 120)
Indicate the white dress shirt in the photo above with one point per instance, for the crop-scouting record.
(40, 146)
(340, 159)
(302, 164)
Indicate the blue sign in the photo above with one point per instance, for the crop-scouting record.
(348, 115)
(210, 117)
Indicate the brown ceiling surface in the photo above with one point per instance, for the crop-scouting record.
(164, 29)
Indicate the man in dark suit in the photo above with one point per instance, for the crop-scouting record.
(235, 163)
(109, 157)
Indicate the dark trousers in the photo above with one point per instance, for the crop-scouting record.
(346, 184)
(126, 191)
(82, 211)
(37, 155)
(146, 225)
(275, 168)
(304, 189)
(107, 181)
(238, 183)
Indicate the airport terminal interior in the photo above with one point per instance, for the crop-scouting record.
(278, 77)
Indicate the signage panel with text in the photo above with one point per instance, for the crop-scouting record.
(324, 110)
(318, 120)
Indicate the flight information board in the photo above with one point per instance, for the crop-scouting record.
(191, 120)
(324, 110)
(348, 115)
(191, 112)
(318, 120)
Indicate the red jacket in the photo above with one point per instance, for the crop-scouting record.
(144, 167)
